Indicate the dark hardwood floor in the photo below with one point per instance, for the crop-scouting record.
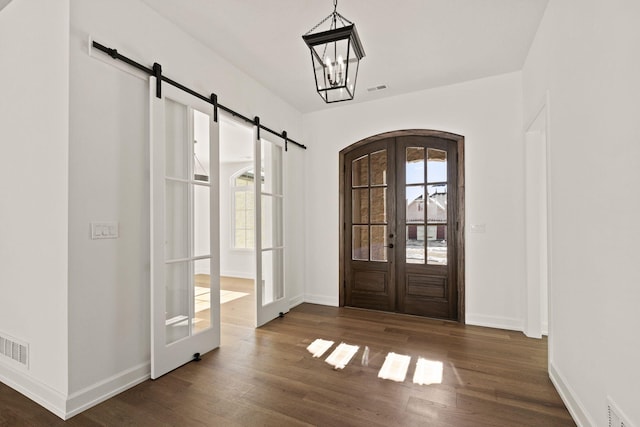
(266, 377)
(241, 311)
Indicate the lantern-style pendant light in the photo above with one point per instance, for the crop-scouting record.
(335, 55)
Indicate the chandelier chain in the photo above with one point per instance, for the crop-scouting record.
(335, 14)
(318, 24)
(342, 19)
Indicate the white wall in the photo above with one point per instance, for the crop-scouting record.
(34, 117)
(586, 55)
(487, 112)
(109, 279)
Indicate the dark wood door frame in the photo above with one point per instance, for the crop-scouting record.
(460, 212)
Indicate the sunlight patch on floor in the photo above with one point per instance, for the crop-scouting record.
(395, 366)
(202, 297)
(428, 372)
(342, 355)
(227, 296)
(319, 347)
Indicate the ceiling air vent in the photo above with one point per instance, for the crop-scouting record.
(376, 88)
(13, 350)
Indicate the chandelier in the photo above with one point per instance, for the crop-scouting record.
(335, 56)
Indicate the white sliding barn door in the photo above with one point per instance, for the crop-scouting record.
(271, 300)
(185, 263)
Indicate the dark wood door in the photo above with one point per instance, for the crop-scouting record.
(401, 226)
(369, 228)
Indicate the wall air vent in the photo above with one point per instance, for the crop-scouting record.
(14, 351)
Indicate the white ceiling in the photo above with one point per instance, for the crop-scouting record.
(409, 44)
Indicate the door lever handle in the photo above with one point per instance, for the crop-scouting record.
(390, 246)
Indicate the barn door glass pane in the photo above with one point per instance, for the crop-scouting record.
(272, 232)
(272, 275)
(176, 149)
(176, 225)
(177, 301)
(201, 295)
(201, 138)
(201, 214)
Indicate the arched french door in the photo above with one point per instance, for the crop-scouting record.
(402, 224)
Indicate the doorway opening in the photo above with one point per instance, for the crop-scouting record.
(237, 222)
(402, 224)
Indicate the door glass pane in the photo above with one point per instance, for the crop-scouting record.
(360, 206)
(176, 145)
(271, 221)
(177, 301)
(436, 165)
(360, 172)
(272, 276)
(201, 211)
(415, 165)
(201, 166)
(379, 205)
(360, 243)
(272, 167)
(415, 203)
(415, 244)
(379, 167)
(202, 295)
(437, 244)
(437, 203)
(176, 224)
(379, 243)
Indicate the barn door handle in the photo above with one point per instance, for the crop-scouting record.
(390, 246)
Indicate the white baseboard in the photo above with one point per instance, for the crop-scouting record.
(494, 322)
(43, 395)
(105, 389)
(238, 274)
(294, 301)
(545, 329)
(571, 401)
(321, 299)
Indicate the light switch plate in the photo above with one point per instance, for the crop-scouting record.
(104, 230)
